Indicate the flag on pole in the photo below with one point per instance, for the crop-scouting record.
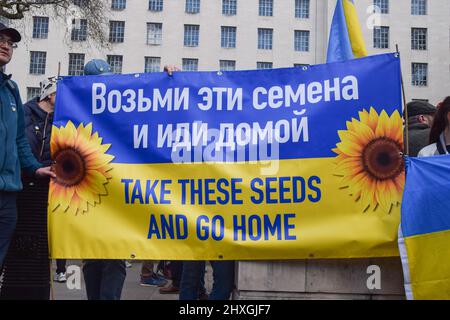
(346, 40)
(424, 235)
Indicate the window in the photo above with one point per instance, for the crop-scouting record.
(79, 30)
(154, 33)
(37, 62)
(227, 65)
(155, 5)
(266, 8)
(116, 31)
(116, 63)
(383, 5)
(264, 65)
(301, 42)
(300, 65)
(229, 7)
(152, 64)
(118, 4)
(76, 64)
(192, 6)
(191, 35)
(190, 64)
(381, 37)
(265, 39)
(228, 38)
(81, 3)
(419, 39)
(420, 74)
(40, 27)
(33, 92)
(419, 7)
(302, 9)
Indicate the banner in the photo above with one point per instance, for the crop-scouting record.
(271, 164)
(424, 236)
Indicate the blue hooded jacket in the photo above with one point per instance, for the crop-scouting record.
(15, 152)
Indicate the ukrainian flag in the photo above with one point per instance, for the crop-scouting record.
(346, 40)
(424, 235)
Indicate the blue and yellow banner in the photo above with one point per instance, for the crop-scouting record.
(269, 164)
(424, 237)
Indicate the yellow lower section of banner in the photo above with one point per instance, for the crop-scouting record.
(316, 220)
(428, 259)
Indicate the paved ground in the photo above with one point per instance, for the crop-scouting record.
(131, 290)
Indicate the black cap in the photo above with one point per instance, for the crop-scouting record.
(416, 108)
(13, 33)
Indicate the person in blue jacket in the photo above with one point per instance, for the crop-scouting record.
(15, 152)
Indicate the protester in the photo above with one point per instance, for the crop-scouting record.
(26, 271)
(15, 152)
(104, 279)
(440, 132)
(149, 277)
(39, 121)
(176, 269)
(223, 280)
(420, 119)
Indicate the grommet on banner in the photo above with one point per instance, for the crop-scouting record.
(396, 55)
(132, 256)
(219, 73)
(304, 68)
(137, 75)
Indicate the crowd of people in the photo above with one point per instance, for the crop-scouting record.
(25, 163)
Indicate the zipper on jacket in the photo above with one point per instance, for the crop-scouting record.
(2, 117)
(44, 136)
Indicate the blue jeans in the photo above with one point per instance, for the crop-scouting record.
(8, 219)
(194, 271)
(104, 279)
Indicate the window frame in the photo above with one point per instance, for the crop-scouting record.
(265, 8)
(191, 36)
(229, 7)
(265, 39)
(78, 70)
(381, 37)
(38, 67)
(40, 27)
(416, 81)
(302, 6)
(149, 67)
(299, 41)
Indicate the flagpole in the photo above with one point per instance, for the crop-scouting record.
(406, 146)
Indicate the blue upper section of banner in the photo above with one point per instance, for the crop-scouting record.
(378, 86)
(426, 197)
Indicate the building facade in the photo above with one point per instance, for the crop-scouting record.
(207, 35)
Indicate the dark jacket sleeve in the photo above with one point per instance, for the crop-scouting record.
(27, 160)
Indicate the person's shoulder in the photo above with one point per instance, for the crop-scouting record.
(12, 84)
(32, 112)
(429, 150)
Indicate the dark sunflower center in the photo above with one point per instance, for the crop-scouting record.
(381, 159)
(70, 167)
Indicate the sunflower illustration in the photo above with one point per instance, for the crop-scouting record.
(369, 159)
(81, 166)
